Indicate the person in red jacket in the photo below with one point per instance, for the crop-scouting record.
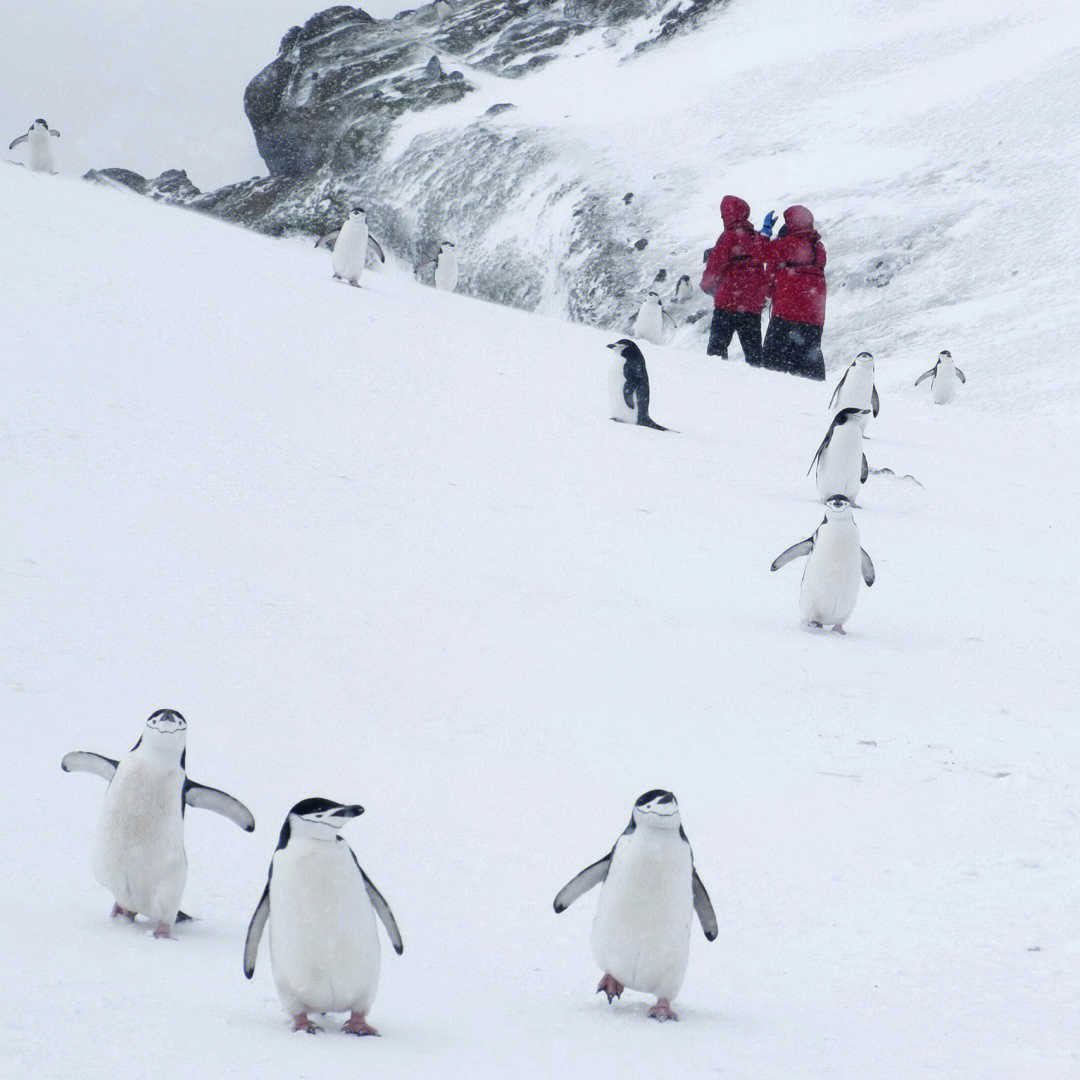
(736, 279)
(796, 267)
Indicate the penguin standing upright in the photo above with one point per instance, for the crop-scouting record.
(841, 463)
(684, 290)
(139, 855)
(351, 247)
(446, 267)
(944, 373)
(856, 388)
(649, 323)
(37, 142)
(651, 888)
(628, 384)
(835, 560)
(321, 906)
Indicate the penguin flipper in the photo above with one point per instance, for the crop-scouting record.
(670, 318)
(960, 375)
(382, 909)
(54, 133)
(865, 470)
(836, 392)
(868, 574)
(327, 240)
(84, 761)
(796, 551)
(15, 142)
(208, 798)
(704, 909)
(582, 883)
(423, 266)
(875, 401)
(255, 931)
(925, 375)
(376, 247)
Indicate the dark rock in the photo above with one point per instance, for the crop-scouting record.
(501, 107)
(641, 245)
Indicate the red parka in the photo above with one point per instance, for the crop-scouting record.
(735, 273)
(796, 264)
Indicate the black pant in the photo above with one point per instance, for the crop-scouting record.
(748, 327)
(794, 348)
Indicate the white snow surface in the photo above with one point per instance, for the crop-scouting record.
(384, 545)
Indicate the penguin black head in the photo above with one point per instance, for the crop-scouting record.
(446, 244)
(357, 211)
(628, 349)
(42, 123)
(844, 415)
(657, 808)
(838, 503)
(166, 721)
(325, 811)
(946, 354)
(865, 356)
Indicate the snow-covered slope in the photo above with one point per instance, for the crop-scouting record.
(384, 545)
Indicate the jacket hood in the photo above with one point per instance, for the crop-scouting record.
(798, 217)
(733, 210)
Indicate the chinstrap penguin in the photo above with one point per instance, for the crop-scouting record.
(684, 290)
(944, 373)
(649, 322)
(139, 854)
(641, 931)
(321, 906)
(856, 388)
(629, 386)
(351, 247)
(841, 463)
(835, 561)
(37, 142)
(446, 267)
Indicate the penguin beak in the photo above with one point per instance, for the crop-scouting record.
(349, 812)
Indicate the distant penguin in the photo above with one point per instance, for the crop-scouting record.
(856, 387)
(944, 373)
(684, 290)
(651, 888)
(37, 142)
(139, 855)
(351, 247)
(649, 323)
(830, 581)
(321, 906)
(446, 267)
(841, 463)
(629, 386)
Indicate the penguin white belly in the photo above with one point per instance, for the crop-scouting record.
(857, 391)
(649, 324)
(446, 272)
(139, 855)
(41, 159)
(350, 250)
(616, 383)
(830, 583)
(839, 467)
(943, 386)
(324, 948)
(641, 933)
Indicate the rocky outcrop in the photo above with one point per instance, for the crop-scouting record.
(537, 227)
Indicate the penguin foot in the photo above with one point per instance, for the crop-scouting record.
(610, 986)
(357, 1025)
(838, 629)
(163, 930)
(662, 1011)
(118, 910)
(301, 1022)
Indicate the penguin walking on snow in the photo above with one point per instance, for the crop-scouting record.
(321, 906)
(649, 323)
(841, 464)
(835, 561)
(37, 142)
(944, 373)
(684, 290)
(351, 247)
(856, 388)
(650, 890)
(629, 386)
(139, 855)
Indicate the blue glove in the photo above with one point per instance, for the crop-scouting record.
(768, 223)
